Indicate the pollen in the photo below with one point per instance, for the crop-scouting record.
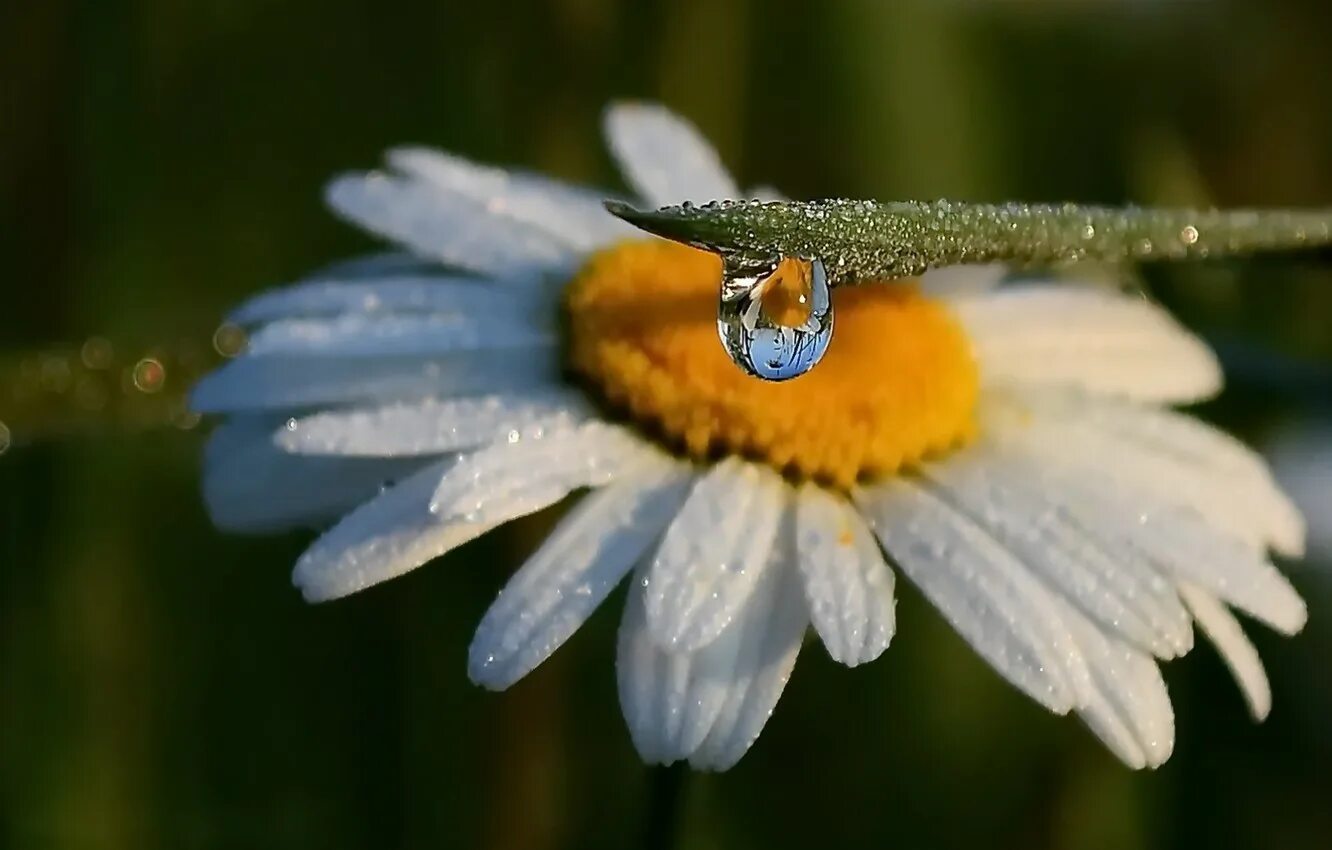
(897, 385)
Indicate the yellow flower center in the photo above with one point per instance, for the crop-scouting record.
(897, 384)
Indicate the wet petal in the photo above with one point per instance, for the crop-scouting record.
(450, 503)
(291, 382)
(1128, 696)
(985, 593)
(1007, 494)
(1178, 454)
(582, 560)
(1099, 341)
(573, 214)
(712, 554)
(847, 584)
(325, 297)
(1121, 505)
(1239, 654)
(422, 335)
(772, 633)
(444, 226)
(432, 426)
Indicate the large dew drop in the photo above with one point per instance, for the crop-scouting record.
(775, 316)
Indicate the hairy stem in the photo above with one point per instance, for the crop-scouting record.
(866, 240)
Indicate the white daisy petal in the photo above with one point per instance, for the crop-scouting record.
(444, 506)
(693, 710)
(551, 596)
(664, 157)
(1006, 494)
(559, 459)
(432, 426)
(1180, 454)
(1100, 341)
(573, 214)
(649, 680)
(1120, 508)
(1184, 545)
(325, 297)
(444, 226)
(391, 534)
(252, 486)
(1239, 654)
(292, 382)
(772, 631)
(712, 553)
(985, 593)
(360, 335)
(847, 584)
(671, 700)
(1127, 694)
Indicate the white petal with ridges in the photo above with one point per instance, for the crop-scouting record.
(648, 679)
(724, 692)
(1127, 695)
(573, 214)
(1178, 539)
(673, 701)
(558, 460)
(712, 553)
(847, 584)
(985, 593)
(291, 382)
(1099, 341)
(383, 538)
(772, 630)
(448, 504)
(1006, 494)
(1178, 454)
(664, 157)
(421, 335)
(386, 295)
(444, 226)
(1228, 636)
(432, 426)
(582, 560)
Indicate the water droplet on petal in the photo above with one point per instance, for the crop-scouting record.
(775, 316)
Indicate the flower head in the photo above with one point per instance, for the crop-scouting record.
(1008, 448)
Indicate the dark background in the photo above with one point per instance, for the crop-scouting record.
(162, 685)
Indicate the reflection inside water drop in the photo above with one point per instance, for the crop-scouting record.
(774, 316)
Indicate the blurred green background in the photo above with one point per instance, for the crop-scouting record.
(162, 685)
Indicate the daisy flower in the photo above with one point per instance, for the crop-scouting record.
(1010, 449)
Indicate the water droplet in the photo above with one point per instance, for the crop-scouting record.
(1189, 235)
(775, 316)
